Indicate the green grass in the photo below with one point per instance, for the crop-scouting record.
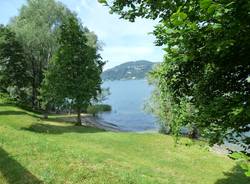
(37, 151)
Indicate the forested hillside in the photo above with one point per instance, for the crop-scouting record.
(129, 70)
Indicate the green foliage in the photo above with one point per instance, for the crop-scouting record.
(243, 161)
(5, 99)
(103, 107)
(98, 108)
(74, 71)
(37, 28)
(92, 110)
(26, 52)
(203, 79)
(102, 1)
(14, 76)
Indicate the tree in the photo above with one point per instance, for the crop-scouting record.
(203, 79)
(13, 66)
(37, 28)
(74, 71)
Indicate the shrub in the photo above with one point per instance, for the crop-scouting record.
(5, 98)
(94, 109)
(243, 161)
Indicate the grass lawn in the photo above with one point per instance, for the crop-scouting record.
(37, 151)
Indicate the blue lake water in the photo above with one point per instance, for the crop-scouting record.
(127, 100)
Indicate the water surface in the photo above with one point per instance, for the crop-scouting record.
(127, 100)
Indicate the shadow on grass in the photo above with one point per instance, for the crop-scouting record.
(62, 119)
(10, 113)
(14, 172)
(6, 104)
(235, 176)
(24, 107)
(16, 113)
(54, 129)
(35, 114)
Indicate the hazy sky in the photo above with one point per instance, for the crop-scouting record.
(123, 41)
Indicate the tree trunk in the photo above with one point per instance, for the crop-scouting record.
(40, 79)
(79, 120)
(33, 95)
(194, 133)
(45, 115)
(33, 85)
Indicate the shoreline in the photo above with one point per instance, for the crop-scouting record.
(96, 122)
(89, 120)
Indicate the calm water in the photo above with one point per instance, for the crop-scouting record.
(127, 100)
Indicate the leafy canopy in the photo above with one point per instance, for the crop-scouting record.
(203, 79)
(37, 29)
(13, 66)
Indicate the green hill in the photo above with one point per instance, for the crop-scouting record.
(129, 70)
(34, 150)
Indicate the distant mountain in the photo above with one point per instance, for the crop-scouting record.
(128, 71)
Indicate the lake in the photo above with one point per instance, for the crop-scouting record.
(127, 100)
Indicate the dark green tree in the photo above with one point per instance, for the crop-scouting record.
(13, 66)
(203, 81)
(74, 72)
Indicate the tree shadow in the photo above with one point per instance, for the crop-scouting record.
(5, 104)
(11, 113)
(57, 129)
(14, 172)
(16, 113)
(52, 129)
(61, 119)
(235, 176)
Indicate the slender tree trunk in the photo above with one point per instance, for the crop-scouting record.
(79, 120)
(39, 80)
(33, 96)
(46, 113)
(33, 85)
(194, 133)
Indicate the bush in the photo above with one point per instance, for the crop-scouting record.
(94, 109)
(243, 161)
(5, 98)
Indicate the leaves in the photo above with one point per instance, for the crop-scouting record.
(243, 161)
(37, 28)
(238, 155)
(205, 4)
(206, 65)
(103, 2)
(247, 173)
(13, 65)
(74, 72)
(212, 8)
(178, 18)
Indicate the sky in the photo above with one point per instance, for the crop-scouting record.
(122, 40)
